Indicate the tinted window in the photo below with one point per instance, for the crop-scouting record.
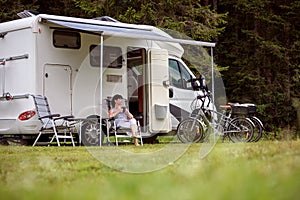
(174, 74)
(179, 76)
(112, 56)
(186, 77)
(66, 39)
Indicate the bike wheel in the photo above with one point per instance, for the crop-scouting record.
(240, 130)
(190, 131)
(258, 129)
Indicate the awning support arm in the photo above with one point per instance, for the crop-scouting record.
(101, 85)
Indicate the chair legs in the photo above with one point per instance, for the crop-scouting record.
(38, 137)
(139, 136)
(57, 136)
(140, 133)
(65, 136)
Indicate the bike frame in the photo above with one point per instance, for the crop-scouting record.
(223, 119)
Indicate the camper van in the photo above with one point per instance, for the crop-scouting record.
(78, 63)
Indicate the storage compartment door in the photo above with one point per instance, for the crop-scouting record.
(57, 88)
(158, 91)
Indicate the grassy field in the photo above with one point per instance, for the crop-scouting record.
(263, 170)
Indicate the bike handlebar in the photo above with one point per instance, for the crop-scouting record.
(206, 93)
(203, 96)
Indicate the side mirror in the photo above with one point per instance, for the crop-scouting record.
(199, 83)
(195, 83)
(203, 82)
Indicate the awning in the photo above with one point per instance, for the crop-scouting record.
(119, 31)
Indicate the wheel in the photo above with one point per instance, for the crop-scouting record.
(190, 130)
(90, 134)
(258, 129)
(240, 130)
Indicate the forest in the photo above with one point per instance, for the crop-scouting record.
(257, 44)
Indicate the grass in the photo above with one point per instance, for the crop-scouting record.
(263, 170)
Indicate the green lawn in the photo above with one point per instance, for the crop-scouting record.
(263, 170)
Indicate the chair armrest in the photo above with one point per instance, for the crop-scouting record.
(110, 119)
(68, 117)
(50, 116)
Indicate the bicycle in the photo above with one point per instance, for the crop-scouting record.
(250, 113)
(196, 127)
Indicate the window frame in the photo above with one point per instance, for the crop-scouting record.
(66, 33)
(181, 71)
(94, 58)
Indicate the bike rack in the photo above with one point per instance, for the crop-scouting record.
(6, 95)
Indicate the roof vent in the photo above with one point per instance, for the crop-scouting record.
(27, 13)
(106, 18)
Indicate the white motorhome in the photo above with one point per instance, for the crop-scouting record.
(76, 63)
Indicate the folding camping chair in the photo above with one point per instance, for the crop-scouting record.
(60, 126)
(121, 132)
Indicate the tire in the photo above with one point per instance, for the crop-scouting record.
(240, 130)
(190, 131)
(258, 129)
(90, 134)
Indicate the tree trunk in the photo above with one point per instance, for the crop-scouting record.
(296, 105)
(215, 4)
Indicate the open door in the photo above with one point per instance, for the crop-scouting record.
(157, 92)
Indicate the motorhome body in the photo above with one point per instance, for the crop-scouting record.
(76, 63)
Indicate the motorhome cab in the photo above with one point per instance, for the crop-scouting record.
(77, 63)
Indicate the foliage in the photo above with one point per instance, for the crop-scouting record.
(9, 9)
(261, 48)
(189, 17)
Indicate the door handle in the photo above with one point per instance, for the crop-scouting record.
(166, 83)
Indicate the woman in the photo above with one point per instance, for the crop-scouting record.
(123, 118)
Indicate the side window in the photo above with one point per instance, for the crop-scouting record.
(174, 74)
(186, 77)
(179, 76)
(66, 39)
(112, 56)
